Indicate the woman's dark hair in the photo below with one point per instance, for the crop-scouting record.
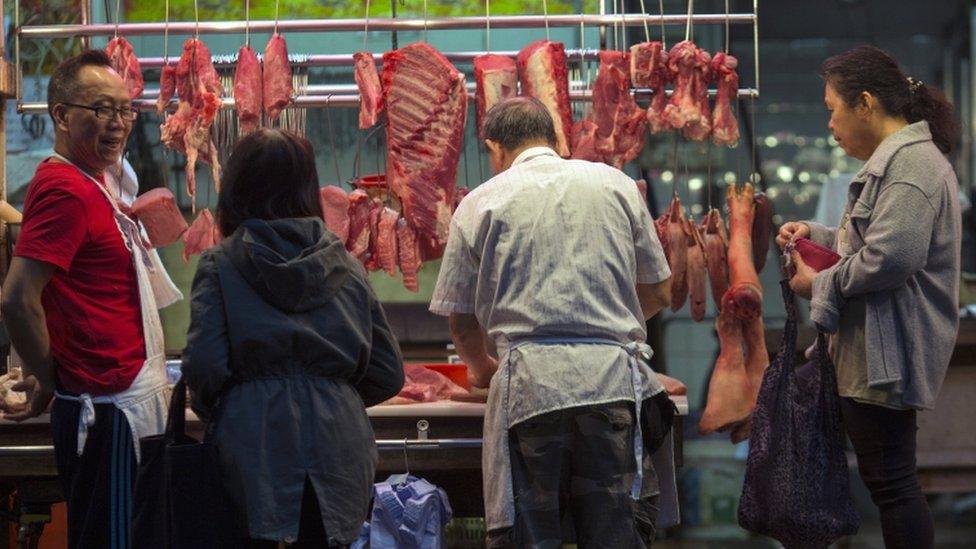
(270, 175)
(869, 69)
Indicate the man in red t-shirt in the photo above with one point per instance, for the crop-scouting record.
(72, 304)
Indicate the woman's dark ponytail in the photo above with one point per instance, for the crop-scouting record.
(930, 104)
(869, 69)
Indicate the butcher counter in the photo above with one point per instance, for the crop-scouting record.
(440, 441)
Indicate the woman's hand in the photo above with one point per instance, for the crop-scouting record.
(802, 280)
(790, 231)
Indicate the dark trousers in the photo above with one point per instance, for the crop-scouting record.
(574, 465)
(98, 484)
(311, 533)
(884, 442)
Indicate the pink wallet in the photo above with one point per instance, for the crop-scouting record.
(816, 256)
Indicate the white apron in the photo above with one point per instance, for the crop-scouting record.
(496, 459)
(145, 402)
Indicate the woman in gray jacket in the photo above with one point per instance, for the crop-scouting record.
(891, 303)
(287, 346)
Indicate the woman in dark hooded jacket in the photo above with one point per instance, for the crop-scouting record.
(287, 346)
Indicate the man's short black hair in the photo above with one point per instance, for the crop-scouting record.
(519, 120)
(64, 86)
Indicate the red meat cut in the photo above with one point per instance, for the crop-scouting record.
(335, 210)
(370, 90)
(248, 90)
(620, 122)
(409, 254)
(688, 109)
(277, 90)
(744, 296)
(729, 388)
(543, 73)
(202, 235)
(125, 62)
(157, 211)
(716, 254)
(386, 241)
(725, 128)
(359, 207)
(496, 79)
(426, 105)
(188, 130)
(649, 69)
(167, 87)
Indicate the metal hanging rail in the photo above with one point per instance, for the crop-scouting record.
(345, 59)
(379, 24)
(339, 100)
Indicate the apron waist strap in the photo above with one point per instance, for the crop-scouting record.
(86, 417)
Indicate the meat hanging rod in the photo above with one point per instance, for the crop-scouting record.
(375, 24)
(341, 100)
(345, 59)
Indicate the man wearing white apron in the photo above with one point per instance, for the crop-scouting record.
(551, 269)
(80, 301)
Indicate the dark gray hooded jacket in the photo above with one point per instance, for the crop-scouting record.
(287, 335)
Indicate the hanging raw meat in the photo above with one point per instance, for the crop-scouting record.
(426, 105)
(619, 123)
(688, 109)
(370, 89)
(757, 360)
(649, 69)
(729, 388)
(543, 73)
(202, 235)
(661, 225)
(409, 252)
(157, 211)
(335, 210)
(696, 271)
(757, 357)
(371, 259)
(277, 90)
(584, 141)
(744, 296)
(125, 62)
(167, 87)
(248, 90)
(716, 254)
(188, 130)
(496, 79)
(386, 241)
(762, 230)
(725, 128)
(359, 208)
(678, 253)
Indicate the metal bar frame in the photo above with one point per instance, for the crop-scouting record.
(340, 100)
(377, 24)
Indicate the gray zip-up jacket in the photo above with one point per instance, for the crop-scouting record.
(905, 232)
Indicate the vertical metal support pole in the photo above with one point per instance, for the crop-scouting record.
(603, 28)
(393, 34)
(755, 39)
(86, 14)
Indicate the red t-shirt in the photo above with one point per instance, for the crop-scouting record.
(92, 302)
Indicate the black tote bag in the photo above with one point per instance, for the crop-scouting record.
(177, 501)
(796, 486)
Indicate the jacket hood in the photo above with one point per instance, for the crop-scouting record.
(295, 264)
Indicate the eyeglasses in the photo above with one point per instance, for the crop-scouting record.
(107, 113)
